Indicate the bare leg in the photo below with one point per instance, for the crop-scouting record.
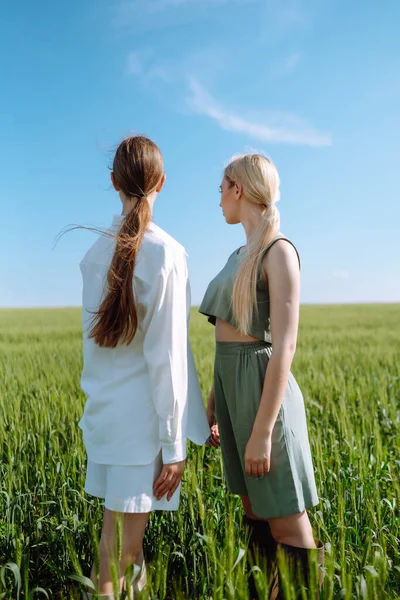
(248, 510)
(294, 530)
(133, 527)
(295, 535)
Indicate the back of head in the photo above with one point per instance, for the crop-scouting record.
(260, 182)
(137, 170)
(138, 166)
(258, 176)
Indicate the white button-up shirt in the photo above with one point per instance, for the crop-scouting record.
(144, 396)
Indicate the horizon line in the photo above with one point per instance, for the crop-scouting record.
(310, 303)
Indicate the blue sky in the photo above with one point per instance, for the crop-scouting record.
(315, 84)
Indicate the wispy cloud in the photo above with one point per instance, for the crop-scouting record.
(159, 5)
(144, 64)
(290, 130)
(270, 126)
(131, 12)
(292, 61)
(207, 63)
(134, 64)
(282, 16)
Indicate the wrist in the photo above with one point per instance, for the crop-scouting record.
(210, 414)
(211, 405)
(262, 431)
(173, 452)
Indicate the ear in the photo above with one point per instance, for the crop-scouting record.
(238, 190)
(161, 184)
(115, 186)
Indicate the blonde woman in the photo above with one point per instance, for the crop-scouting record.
(256, 402)
(143, 396)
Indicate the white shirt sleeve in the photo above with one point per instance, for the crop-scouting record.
(165, 350)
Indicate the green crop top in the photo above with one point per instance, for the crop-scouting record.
(217, 302)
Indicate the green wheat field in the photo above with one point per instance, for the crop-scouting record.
(348, 366)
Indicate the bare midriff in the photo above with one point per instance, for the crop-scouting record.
(225, 332)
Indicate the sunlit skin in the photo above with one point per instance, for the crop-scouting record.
(280, 270)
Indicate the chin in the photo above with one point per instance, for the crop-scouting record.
(231, 221)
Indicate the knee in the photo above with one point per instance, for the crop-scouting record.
(292, 532)
(248, 509)
(128, 559)
(130, 554)
(250, 515)
(131, 551)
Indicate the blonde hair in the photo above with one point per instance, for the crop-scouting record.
(260, 181)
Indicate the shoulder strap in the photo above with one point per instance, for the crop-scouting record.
(278, 237)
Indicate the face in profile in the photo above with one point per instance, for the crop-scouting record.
(230, 201)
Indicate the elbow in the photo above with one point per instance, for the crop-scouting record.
(284, 350)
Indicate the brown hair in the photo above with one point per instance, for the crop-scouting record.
(137, 169)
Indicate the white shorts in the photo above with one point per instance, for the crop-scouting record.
(128, 489)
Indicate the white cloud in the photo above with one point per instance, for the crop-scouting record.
(282, 128)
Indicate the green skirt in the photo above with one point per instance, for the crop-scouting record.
(289, 487)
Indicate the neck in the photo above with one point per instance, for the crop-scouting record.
(251, 221)
(129, 203)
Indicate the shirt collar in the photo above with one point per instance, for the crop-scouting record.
(118, 220)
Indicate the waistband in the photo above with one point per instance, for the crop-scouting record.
(242, 347)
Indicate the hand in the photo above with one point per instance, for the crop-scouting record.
(211, 409)
(211, 418)
(169, 480)
(213, 439)
(257, 455)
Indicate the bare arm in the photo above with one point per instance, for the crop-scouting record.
(281, 267)
(213, 440)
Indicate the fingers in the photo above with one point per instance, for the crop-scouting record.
(256, 469)
(213, 441)
(165, 486)
(215, 432)
(260, 469)
(250, 466)
(174, 488)
(160, 481)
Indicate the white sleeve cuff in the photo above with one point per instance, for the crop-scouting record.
(174, 452)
